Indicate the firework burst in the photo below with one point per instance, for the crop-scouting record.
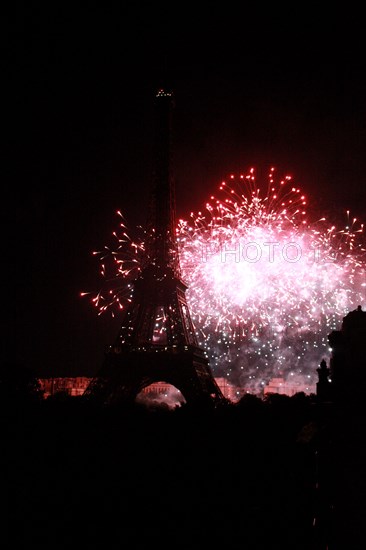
(119, 265)
(266, 282)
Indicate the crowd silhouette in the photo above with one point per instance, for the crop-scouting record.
(274, 472)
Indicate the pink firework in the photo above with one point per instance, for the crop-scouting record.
(120, 265)
(266, 284)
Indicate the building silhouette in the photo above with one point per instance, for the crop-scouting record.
(345, 379)
(323, 386)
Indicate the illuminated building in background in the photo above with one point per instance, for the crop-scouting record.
(287, 387)
(74, 386)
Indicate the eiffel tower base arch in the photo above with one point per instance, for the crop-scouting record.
(125, 374)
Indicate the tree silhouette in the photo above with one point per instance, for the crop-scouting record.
(18, 384)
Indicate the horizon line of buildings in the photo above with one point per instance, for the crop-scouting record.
(76, 386)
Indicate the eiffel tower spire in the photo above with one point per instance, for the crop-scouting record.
(161, 245)
(157, 340)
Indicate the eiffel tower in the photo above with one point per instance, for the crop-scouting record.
(157, 340)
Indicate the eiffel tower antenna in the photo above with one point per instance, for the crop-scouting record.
(157, 340)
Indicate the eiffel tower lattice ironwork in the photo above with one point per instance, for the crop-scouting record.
(157, 340)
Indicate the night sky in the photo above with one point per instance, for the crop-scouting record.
(251, 89)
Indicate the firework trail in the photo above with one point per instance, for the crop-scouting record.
(266, 284)
(120, 265)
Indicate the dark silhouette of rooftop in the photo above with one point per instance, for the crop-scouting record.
(348, 359)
